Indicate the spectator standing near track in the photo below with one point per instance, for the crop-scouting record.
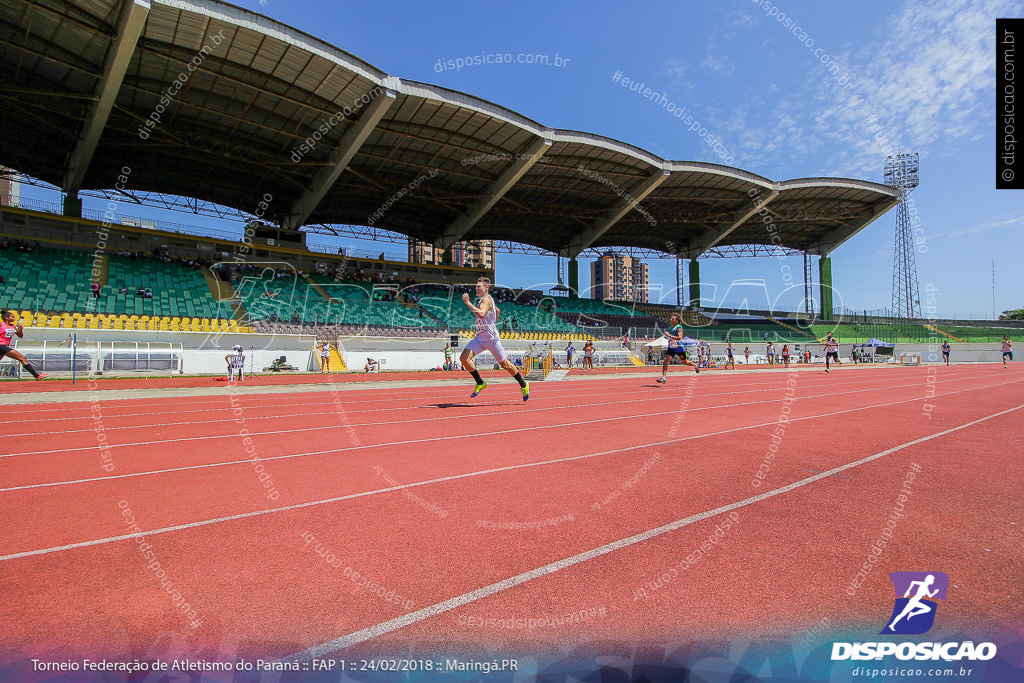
(569, 350)
(785, 355)
(325, 358)
(236, 361)
(730, 362)
(1007, 350)
(10, 328)
(853, 353)
(831, 351)
(770, 352)
(448, 353)
(746, 355)
(588, 355)
(945, 352)
(487, 338)
(675, 348)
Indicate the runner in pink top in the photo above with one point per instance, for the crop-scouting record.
(9, 327)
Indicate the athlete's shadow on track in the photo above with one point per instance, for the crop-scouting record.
(468, 405)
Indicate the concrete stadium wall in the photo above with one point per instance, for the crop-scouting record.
(201, 352)
(188, 340)
(402, 353)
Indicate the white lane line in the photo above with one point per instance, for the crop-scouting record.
(355, 401)
(507, 431)
(324, 428)
(494, 588)
(87, 415)
(454, 477)
(420, 406)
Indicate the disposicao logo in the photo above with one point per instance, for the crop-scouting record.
(913, 613)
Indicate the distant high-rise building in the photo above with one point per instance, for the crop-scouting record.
(614, 276)
(10, 188)
(474, 254)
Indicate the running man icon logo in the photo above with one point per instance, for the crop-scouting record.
(914, 611)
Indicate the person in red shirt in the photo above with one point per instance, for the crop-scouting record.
(785, 355)
(9, 327)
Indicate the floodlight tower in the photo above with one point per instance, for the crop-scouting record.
(901, 173)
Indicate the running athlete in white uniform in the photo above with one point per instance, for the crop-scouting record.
(487, 338)
(831, 351)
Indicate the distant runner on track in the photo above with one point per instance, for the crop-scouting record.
(831, 351)
(675, 347)
(9, 328)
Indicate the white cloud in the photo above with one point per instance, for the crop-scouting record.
(925, 80)
(718, 65)
(999, 222)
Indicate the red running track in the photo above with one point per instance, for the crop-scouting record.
(274, 524)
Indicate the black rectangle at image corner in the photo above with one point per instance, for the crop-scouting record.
(1009, 39)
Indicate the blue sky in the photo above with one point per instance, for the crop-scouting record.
(924, 70)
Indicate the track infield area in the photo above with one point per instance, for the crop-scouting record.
(404, 519)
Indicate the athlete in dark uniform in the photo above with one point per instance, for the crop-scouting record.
(675, 347)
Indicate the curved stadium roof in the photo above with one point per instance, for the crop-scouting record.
(80, 79)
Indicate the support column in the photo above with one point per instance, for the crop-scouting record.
(680, 281)
(808, 293)
(694, 283)
(574, 278)
(825, 281)
(73, 205)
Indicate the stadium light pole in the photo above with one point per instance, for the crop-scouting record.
(901, 172)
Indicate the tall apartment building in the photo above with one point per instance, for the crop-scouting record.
(614, 276)
(10, 188)
(473, 254)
